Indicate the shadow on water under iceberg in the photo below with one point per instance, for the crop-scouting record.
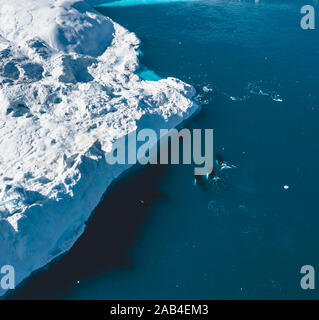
(107, 241)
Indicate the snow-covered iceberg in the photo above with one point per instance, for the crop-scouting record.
(68, 91)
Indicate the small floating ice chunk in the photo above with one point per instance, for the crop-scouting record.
(277, 99)
(207, 89)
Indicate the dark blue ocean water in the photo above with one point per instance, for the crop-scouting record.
(257, 74)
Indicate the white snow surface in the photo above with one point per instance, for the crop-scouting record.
(68, 91)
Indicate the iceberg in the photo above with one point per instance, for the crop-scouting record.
(69, 89)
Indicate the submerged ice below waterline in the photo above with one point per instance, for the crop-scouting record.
(127, 3)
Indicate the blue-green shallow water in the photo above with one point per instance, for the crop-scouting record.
(257, 75)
